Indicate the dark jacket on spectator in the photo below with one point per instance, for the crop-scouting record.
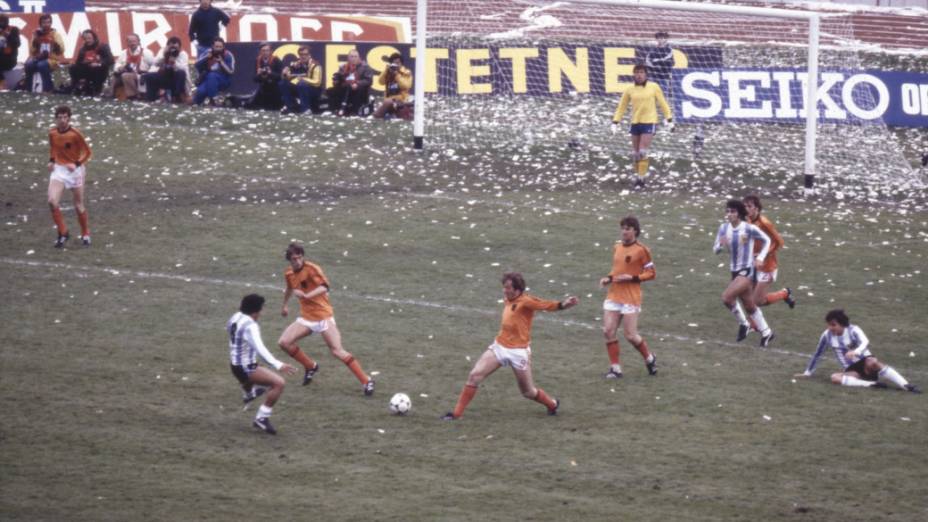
(204, 25)
(10, 49)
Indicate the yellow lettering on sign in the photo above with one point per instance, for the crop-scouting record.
(431, 66)
(518, 55)
(467, 71)
(578, 73)
(613, 70)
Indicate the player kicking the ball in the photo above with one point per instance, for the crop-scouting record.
(306, 281)
(631, 265)
(244, 345)
(511, 346)
(852, 349)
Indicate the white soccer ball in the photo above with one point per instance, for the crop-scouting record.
(400, 404)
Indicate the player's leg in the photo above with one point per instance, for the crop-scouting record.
(852, 379)
(55, 190)
(760, 290)
(526, 382)
(333, 339)
(287, 343)
(485, 365)
(644, 145)
(611, 321)
(730, 300)
(878, 370)
(630, 330)
(756, 315)
(275, 387)
(77, 194)
(761, 296)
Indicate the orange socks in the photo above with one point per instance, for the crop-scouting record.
(642, 348)
(82, 219)
(780, 295)
(302, 358)
(612, 348)
(59, 221)
(355, 368)
(543, 398)
(467, 394)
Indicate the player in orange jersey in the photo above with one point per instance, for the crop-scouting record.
(66, 165)
(767, 274)
(511, 346)
(631, 265)
(306, 281)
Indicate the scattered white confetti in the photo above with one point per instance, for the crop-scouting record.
(905, 419)
(693, 325)
(380, 430)
(767, 417)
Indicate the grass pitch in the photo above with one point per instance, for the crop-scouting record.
(120, 405)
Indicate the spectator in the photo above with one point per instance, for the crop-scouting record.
(267, 74)
(352, 83)
(302, 78)
(9, 48)
(204, 26)
(214, 72)
(133, 62)
(46, 51)
(93, 64)
(659, 60)
(396, 80)
(168, 79)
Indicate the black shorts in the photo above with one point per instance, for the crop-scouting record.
(243, 373)
(860, 367)
(744, 272)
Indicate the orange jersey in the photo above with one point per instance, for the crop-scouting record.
(68, 147)
(634, 260)
(776, 241)
(516, 328)
(308, 278)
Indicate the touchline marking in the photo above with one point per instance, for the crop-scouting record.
(351, 295)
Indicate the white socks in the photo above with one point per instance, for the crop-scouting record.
(889, 373)
(848, 380)
(739, 314)
(263, 412)
(760, 322)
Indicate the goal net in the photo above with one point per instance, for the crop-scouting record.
(548, 76)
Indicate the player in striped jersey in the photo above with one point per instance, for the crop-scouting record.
(512, 346)
(245, 345)
(852, 349)
(739, 237)
(66, 166)
(644, 97)
(631, 265)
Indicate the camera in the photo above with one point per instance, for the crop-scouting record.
(394, 66)
(172, 52)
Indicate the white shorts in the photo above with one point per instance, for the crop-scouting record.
(518, 358)
(766, 277)
(316, 326)
(622, 308)
(71, 178)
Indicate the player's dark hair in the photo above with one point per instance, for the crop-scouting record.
(737, 206)
(62, 109)
(640, 67)
(294, 248)
(631, 221)
(754, 200)
(44, 17)
(837, 315)
(251, 304)
(661, 35)
(518, 282)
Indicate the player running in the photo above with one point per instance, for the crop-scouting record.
(852, 349)
(767, 273)
(244, 345)
(631, 265)
(306, 281)
(738, 236)
(66, 166)
(644, 97)
(512, 346)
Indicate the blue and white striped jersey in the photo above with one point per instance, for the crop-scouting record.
(245, 342)
(853, 338)
(741, 244)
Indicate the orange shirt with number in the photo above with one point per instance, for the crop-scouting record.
(516, 328)
(776, 241)
(306, 279)
(633, 260)
(68, 147)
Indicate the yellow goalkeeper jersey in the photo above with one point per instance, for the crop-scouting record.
(644, 100)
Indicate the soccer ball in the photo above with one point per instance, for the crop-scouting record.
(400, 404)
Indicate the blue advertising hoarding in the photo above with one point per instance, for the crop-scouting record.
(42, 6)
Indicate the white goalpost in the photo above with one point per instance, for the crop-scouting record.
(550, 73)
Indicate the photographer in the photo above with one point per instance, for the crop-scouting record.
(9, 48)
(133, 62)
(302, 78)
(92, 67)
(352, 83)
(267, 74)
(396, 80)
(214, 72)
(168, 78)
(46, 51)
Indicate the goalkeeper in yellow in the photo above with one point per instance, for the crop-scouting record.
(644, 97)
